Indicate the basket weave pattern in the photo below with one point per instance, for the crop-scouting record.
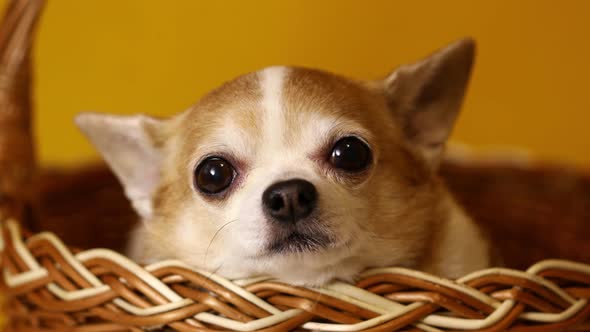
(54, 289)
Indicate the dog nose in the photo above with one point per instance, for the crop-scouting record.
(289, 201)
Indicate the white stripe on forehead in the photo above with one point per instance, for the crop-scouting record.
(271, 85)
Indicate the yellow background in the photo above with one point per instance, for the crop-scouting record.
(531, 86)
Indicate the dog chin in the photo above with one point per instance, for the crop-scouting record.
(298, 243)
(311, 268)
(302, 263)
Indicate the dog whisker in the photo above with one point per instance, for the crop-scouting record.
(217, 232)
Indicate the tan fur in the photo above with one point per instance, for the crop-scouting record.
(396, 213)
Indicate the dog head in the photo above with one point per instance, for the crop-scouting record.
(293, 172)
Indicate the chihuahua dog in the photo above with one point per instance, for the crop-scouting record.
(301, 174)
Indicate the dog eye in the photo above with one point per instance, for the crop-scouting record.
(350, 154)
(213, 175)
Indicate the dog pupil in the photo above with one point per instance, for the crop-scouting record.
(350, 154)
(213, 175)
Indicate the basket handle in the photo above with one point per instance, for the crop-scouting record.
(17, 152)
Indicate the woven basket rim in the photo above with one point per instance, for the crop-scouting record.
(41, 263)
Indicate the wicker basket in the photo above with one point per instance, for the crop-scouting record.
(531, 212)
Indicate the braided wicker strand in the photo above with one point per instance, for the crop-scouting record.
(17, 151)
(50, 288)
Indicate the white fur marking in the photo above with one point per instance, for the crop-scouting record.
(271, 85)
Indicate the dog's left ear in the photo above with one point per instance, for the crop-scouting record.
(426, 96)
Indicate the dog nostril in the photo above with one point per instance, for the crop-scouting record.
(276, 203)
(304, 198)
(301, 198)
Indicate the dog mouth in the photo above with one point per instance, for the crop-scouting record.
(298, 242)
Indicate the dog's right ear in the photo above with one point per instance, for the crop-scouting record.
(128, 145)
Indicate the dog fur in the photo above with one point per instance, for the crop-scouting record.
(279, 123)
